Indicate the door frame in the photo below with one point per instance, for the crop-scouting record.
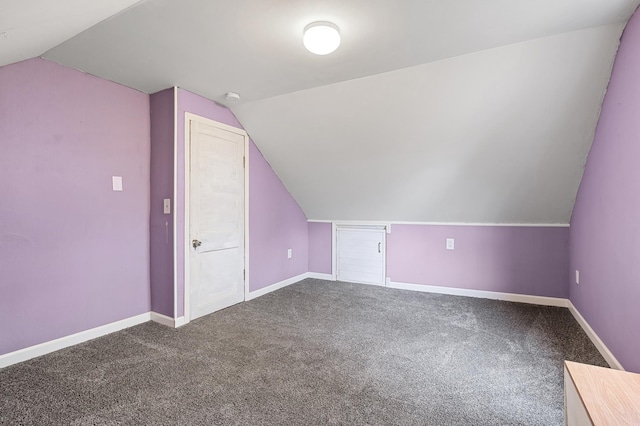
(188, 118)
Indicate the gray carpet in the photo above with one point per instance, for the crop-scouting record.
(315, 352)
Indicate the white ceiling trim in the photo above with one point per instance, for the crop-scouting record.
(515, 225)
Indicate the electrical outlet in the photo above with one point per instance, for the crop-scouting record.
(289, 254)
(450, 244)
(577, 277)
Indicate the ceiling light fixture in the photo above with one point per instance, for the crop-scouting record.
(321, 37)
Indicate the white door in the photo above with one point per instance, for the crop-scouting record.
(216, 218)
(360, 254)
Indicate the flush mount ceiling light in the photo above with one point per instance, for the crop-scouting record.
(321, 38)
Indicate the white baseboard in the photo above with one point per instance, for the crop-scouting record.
(180, 322)
(511, 297)
(163, 319)
(83, 336)
(521, 298)
(598, 343)
(73, 339)
(168, 321)
(277, 286)
(319, 276)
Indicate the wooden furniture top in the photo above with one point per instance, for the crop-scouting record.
(611, 397)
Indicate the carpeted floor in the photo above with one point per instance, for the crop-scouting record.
(315, 352)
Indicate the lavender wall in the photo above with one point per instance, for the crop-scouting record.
(521, 260)
(605, 226)
(276, 222)
(161, 225)
(73, 254)
(320, 246)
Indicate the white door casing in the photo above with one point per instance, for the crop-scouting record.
(361, 254)
(214, 278)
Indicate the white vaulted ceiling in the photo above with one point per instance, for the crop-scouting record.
(430, 110)
(498, 136)
(254, 47)
(30, 27)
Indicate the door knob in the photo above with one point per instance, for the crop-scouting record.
(196, 244)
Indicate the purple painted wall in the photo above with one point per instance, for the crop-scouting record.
(605, 226)
(276, 222)
(74, 255)
(320, 247)
(521, 260)
(161, 225)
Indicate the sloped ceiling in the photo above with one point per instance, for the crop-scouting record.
(254, 47)
(449, 111)
(498, 136)
(30, 27)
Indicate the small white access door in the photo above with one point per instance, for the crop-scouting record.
(361, 254)
(216, 217)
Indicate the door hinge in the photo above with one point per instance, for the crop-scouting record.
(244, 161)
(244, 274)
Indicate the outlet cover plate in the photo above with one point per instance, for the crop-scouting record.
(451, 244)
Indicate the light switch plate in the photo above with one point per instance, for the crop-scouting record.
(289, 254)
(117, 183)
(577, 277)
(450, 244)
(167, 206)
